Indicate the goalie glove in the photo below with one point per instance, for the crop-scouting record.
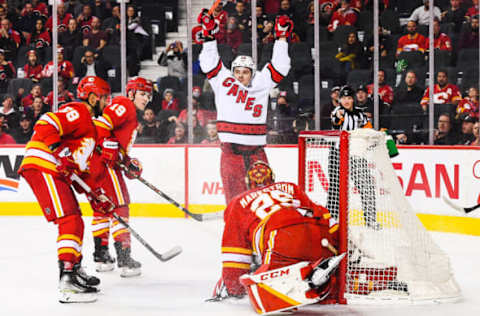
(134, 167)
(100, 201)
(110, 152)
(283, 26)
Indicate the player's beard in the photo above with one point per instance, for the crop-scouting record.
(97, 111)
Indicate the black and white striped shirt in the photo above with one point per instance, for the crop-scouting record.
(351, 119)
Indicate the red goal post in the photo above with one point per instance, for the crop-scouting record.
(391, 258)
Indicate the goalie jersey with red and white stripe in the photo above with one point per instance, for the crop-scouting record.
(241, 110)
(250, 216)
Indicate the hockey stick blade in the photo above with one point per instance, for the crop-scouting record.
(175, 251)
(463, 210)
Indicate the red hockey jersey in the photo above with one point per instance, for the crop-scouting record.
(409, 43)
(73, 127)
(385, 92)
(445, 95)
(246, 217)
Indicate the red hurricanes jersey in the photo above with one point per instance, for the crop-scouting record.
(409, 43)
(245, 219)
(445, 95)
(72, 126)
(65, 69)
(62, 23)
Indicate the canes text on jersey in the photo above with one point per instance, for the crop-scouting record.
(242, 97)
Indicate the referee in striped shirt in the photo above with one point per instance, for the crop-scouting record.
(347, 117)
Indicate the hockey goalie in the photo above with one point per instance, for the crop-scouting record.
(280, 248)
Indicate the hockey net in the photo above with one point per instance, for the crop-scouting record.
(391, 257)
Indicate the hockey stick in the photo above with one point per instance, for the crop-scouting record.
(213, 7)
(195, 216)
(175, 251)
(464, 210)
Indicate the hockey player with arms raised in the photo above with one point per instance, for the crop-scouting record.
(116, 133)
(241, 98)
(283, 229)
(62, 144)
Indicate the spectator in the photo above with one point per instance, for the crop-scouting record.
(40, 38)
(234, 35)
(100, 10)
(180, 136)
(148, 129)
(421, 15)
(96, 39)
(350, 55)
(71, 38)
(286, 9)
(280, 122)
(443, 92)
(262, 19)
(11, 116)
(84, 19)
(65, 68)
(386, 46)
(40, 8)
(26, 24)
(111, 25)
(326, 109)
(469, 104)
(444, 134)
(412, 41)
(473, 10)
(64, 95)
(455, 14)
(24, 131)
(175, 59)
(469, 37)
(9, 39)
(221, 17)
(136, 32)
(384, 90)
(32, 69)
(466, 135)
(200, 114)
(364, 102)
(7, 72)
(27, 101)
(212, 134)
(267, 33)
(476, 141)
(169, 101)
(242, 18)
(345, 15)
(441, 40)
(230, 7)
(5, 138)
(90, 65)
(63, 19)
(409, 92)
(327, 8)
(36, 110)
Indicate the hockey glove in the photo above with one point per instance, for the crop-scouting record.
(209, 26)
(99, 201)
(65, 164)
(283, 26)
(220, 292)
(110, 154)
(134, 167)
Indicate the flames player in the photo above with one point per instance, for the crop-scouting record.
(260, 224)
(241, 97)
(116, 133)
(47, 167)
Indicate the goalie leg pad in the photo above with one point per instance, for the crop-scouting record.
(281, 289)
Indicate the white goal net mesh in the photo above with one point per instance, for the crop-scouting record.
(391, 256)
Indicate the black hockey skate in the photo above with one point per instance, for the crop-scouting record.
(88, 280)
(104, 262)
(72, 289)
(128, 266)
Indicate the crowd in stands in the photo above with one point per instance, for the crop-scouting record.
(346, 57)
(88, 45)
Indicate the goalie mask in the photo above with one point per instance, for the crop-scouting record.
(259, 175)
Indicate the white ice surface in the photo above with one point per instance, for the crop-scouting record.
(29, 274)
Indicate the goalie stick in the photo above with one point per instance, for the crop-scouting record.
(195, 216)
(175, 251)
(463, 210)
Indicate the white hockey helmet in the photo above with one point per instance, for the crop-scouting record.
(244, 61)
